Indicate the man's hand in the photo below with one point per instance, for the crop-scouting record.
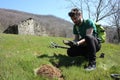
(70, 43)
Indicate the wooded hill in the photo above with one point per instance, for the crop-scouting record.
(52, 24)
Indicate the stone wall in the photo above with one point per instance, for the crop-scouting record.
(40, 30)
(31, 27)
(26, 27)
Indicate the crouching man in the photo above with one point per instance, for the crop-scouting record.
(85, 42)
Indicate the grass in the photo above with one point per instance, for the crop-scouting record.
(20, 55)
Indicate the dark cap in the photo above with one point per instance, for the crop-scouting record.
(74, 12)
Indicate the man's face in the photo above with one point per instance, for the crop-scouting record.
(76, 19)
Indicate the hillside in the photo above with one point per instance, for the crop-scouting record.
(54, 24)
(21, 55)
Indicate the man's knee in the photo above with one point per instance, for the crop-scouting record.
(71, 52)
(89, 37)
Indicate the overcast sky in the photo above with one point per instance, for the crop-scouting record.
(57, 8)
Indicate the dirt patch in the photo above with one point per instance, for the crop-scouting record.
(49, 71)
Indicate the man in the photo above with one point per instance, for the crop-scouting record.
(85, 42)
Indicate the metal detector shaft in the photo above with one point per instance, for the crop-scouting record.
(62, 47)
(55, 45)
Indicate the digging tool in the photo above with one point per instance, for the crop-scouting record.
(55, 45)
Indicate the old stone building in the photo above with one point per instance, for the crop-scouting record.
(27, 27)
(31, 27)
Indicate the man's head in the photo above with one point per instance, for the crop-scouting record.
(76, 15)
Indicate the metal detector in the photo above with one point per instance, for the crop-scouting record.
(55, 45)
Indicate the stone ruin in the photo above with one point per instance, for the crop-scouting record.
(27, 27)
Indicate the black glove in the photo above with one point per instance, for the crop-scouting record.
(70, 43)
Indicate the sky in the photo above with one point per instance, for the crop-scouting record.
(58, 8)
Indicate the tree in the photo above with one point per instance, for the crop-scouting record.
(115, 19)
(96, 9)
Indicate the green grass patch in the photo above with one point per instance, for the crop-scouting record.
(21, 54)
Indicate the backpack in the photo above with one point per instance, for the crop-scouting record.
(101, 34)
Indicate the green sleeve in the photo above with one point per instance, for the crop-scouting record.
(91, 24)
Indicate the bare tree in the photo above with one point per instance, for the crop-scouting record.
(96, 9)
(116, 20)
(106, 10)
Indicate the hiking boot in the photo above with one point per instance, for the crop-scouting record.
(90, 67)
